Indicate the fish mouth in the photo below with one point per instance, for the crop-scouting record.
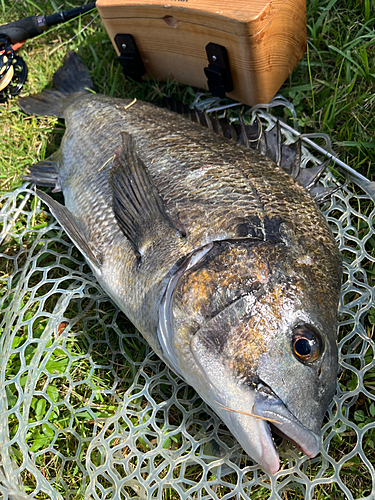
(248, 410)
(280, 420)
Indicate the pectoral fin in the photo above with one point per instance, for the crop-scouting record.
(71, 226)
(137, 204)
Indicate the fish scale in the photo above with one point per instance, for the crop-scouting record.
(227, 183)
(221, 260)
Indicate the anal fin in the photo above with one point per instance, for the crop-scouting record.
(137, 204)
(44, 173)
(71, 226)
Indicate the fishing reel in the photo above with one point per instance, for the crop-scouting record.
(13, 70)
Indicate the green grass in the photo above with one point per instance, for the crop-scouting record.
(333, 90)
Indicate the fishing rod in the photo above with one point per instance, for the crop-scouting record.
(13, 69)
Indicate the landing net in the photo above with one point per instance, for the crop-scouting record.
(87, 410)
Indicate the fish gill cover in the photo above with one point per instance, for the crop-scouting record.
(87, 410)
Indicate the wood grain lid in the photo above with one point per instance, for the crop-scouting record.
(239, 17)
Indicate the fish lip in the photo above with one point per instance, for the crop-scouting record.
(283, 422)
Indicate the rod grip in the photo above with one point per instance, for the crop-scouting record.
(21, 30)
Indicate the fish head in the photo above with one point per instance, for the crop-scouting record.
(254, 331)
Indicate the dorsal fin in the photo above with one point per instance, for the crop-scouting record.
(309, 177)
(137, 204)
(268, 142)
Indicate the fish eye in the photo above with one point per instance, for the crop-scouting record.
(306, 344)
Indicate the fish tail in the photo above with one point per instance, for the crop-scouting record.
(72, 78)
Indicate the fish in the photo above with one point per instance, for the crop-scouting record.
(221, 259)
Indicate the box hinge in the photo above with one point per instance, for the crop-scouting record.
(219, 78)
(130, 59)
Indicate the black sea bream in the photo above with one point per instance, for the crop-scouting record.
(222, 261)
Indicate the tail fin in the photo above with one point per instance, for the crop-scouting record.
(73, 77)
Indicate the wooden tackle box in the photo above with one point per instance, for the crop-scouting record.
(263, 41)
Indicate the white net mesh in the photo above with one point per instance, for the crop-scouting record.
(87, 410)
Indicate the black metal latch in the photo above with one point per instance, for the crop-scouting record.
(218, 74)
(130, 59)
